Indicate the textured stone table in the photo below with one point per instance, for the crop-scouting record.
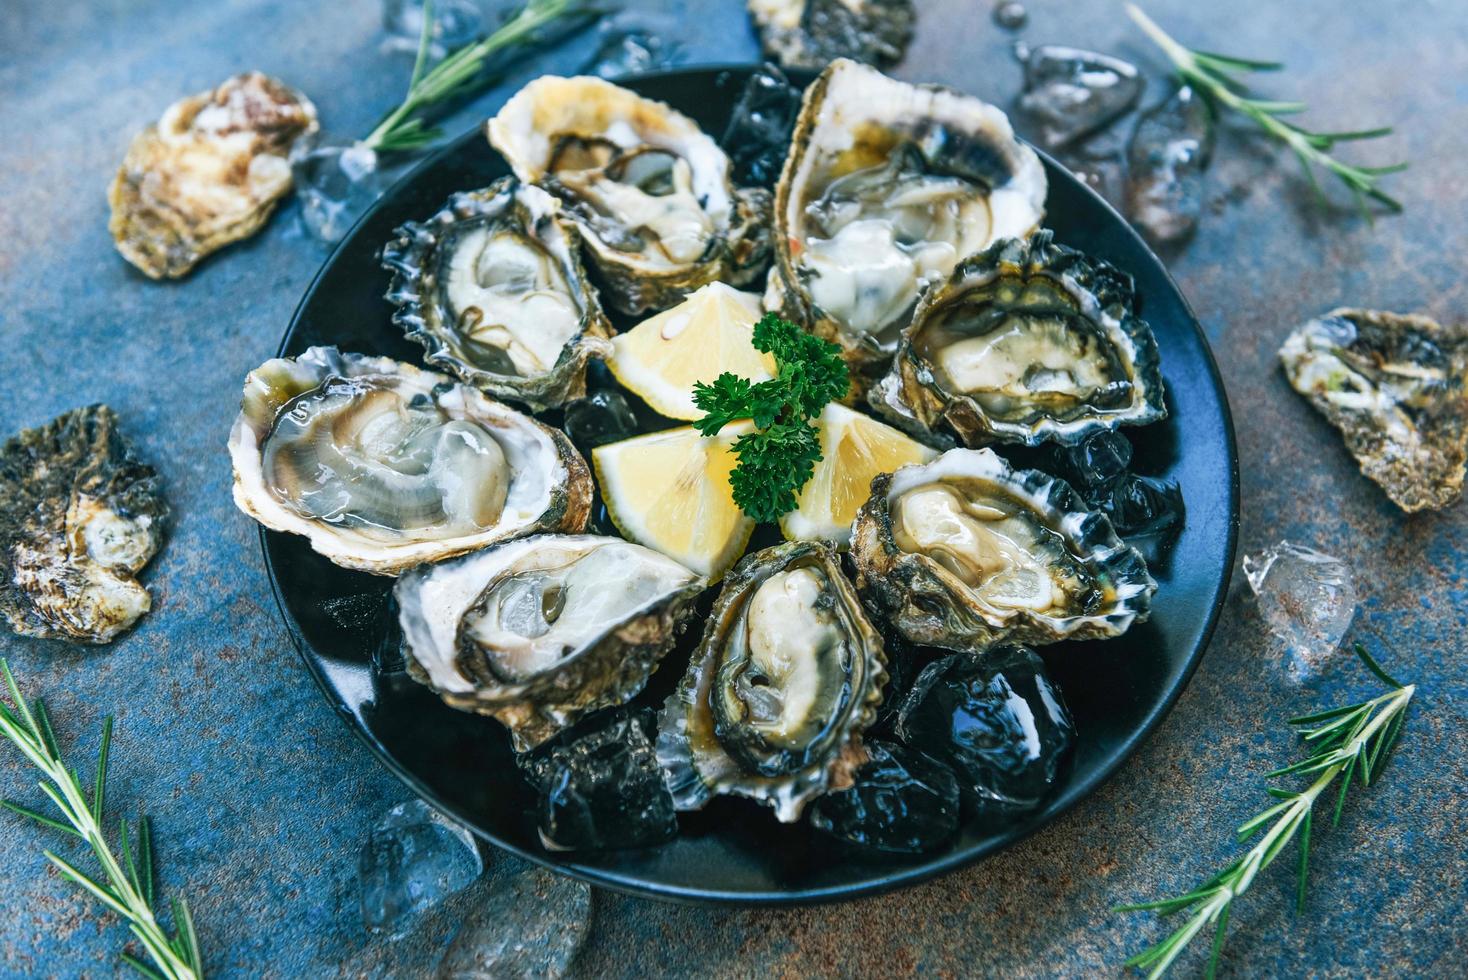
(261, 796)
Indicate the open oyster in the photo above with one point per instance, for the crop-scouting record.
(382, 465)
(810, 33)
(788, 675)
(538, 631)
(1025, 342)
(80, 516)
(207, 173)
(886, 187)
(493, 287)
(649, 190)
(963, 552)
(1395, 387)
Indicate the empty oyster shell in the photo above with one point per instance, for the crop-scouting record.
(80, 516)
(811, 33)
(493, 287)
(538, 631)
(787, 677)
(886, 187)
(207, 173)
(649, 190)
(1025, 342)
(963, 552)
(1395, 387)
(382, 465)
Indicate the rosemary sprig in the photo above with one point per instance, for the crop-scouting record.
(126, 886)
(461, 72)
(1214, 75)
(1352, 740)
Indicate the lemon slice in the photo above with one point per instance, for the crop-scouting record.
(707, 334)
(670, 491)
(854, 448)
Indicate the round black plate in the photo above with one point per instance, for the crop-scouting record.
(733, 851)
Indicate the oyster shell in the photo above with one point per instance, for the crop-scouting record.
(207, 173)
(810, 33)
(887, 186)
(649, 190)
(1025, 342)
(788, 675)
(541, 630)
(493, 287)
(1395, 387)
(382, 465)
(964, 552)
(80, 516)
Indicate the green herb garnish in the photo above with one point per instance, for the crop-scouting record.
(1353, 740)
(775, 462)
(126, 886)
(462, 72)
(1213, 75)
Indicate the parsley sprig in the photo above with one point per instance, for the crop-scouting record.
(776, 461)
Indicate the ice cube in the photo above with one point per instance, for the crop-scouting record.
(336, 183)
(601, 417)
(1070, 93)
(413, 859)
(1308, 599)
(455, 24)
(630, 52)
(531, 924)
(1166, 158)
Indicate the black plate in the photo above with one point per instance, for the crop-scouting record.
(733, 851)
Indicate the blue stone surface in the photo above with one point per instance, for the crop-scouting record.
(261, 797)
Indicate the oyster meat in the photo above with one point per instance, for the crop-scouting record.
(788, 675)
(1026, 342)
(649, 190)
(382, 465)
(493, 287)
(811, 33)
(541, 630)
(80, 516)
(964, 551)
(887, 186)
(1395, 387)
(208, 173)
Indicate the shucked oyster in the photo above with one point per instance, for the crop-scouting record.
(80, 516)
(541, 630)
(963, 552)
(207, 173)
(1025, 342)
(886, 187)
(811, 33)
(788, 675)
(382, 465)
(1395, 387)
(493, 287)
(649, 190)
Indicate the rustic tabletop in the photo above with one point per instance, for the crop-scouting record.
(261, 797)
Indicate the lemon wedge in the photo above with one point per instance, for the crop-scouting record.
(854, 448)
(670, 491)
(707, 334)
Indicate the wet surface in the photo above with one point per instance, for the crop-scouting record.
(261, 797)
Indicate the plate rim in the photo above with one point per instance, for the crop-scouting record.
(1054, 808)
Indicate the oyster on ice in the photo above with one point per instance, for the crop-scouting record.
(1026, 342)
(1395, 387)
(382, 465)
(543, 629)
(208, 173)
(887, 186)
(649, 190)
(964, 551)
(80, 516)
(810, 33)
(788, 675)
(493, 287)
